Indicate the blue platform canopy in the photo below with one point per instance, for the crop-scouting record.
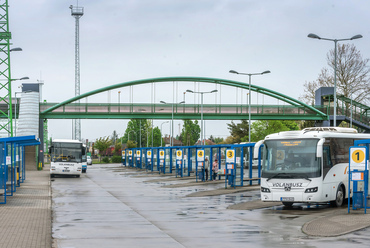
(12, 160)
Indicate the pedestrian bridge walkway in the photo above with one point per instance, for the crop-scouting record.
(181, 111)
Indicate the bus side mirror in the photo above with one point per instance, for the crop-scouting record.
(257, 148)
(319, 150)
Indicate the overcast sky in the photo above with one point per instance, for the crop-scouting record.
(124, 40)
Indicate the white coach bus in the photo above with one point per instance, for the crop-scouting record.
(308, 166)
(66, 157)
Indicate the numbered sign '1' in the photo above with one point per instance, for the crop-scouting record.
(358, 156)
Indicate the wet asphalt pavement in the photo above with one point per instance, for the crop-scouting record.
(114, 206)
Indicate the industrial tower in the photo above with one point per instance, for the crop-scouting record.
(6, 124)
(77, 13)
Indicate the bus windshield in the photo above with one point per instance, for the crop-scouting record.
(66, 152)
(293, 158)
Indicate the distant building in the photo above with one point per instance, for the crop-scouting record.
(167, 141)
(207, 142)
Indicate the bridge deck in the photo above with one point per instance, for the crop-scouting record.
(185, 111)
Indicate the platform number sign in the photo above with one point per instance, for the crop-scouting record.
(200, 155)
(123, 153)
(148, 153)
(161, 154)
(130, 153)
(358, 156)
(138, 153)
(230, 156)
(178, 154)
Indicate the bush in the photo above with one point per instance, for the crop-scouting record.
(105, 160)
(116, 159)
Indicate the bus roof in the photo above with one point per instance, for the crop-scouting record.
(319, 132)
(65, 141)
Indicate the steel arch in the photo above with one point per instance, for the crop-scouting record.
(226, 82)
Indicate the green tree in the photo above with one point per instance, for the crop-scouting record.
(156, 137)
(135, 127)
(219, 140)
(102, 144)
(117, 148)
(238, 132)
(131, 144)
(190, 132)
(260, 129)
(352, 75)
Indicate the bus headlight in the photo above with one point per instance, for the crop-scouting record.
(312, 190)
(265, 190)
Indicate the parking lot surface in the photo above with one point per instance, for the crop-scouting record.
(114, 206)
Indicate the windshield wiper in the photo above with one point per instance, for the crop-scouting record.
(306, 177)
(279, 174)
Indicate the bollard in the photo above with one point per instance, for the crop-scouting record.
(39, 167)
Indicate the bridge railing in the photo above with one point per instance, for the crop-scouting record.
(210, 111)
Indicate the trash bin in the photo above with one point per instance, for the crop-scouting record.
(358, 199)
(200, 175)
(230, 180)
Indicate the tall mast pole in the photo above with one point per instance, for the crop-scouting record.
(77, 12)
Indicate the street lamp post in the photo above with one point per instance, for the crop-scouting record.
(147, 137)
(314, 36)
(250, 97)
(161, 130)
(171, 140)
(134, 133)
(119, 101)
(201, 111)
(15, 109)
(351, 107)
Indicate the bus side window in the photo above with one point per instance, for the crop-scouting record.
(326, 160)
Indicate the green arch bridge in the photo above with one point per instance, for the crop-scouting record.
(293, 109)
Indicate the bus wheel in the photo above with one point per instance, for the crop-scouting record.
(339, 198)
(288, 204)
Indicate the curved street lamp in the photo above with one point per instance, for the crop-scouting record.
(201, 114)
(314, 36)
(171, 140)
(161, 130)
(250, 96)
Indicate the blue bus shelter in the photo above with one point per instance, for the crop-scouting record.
(12, 169)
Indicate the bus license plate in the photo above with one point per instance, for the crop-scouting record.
(65, 170)
(287, 199)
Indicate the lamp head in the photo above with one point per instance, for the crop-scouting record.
(356, 37)
(163, 102)
(213, 91)
(16, 49)
(235, 72)
(190, 91)
(313, 36)
(265, 72)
